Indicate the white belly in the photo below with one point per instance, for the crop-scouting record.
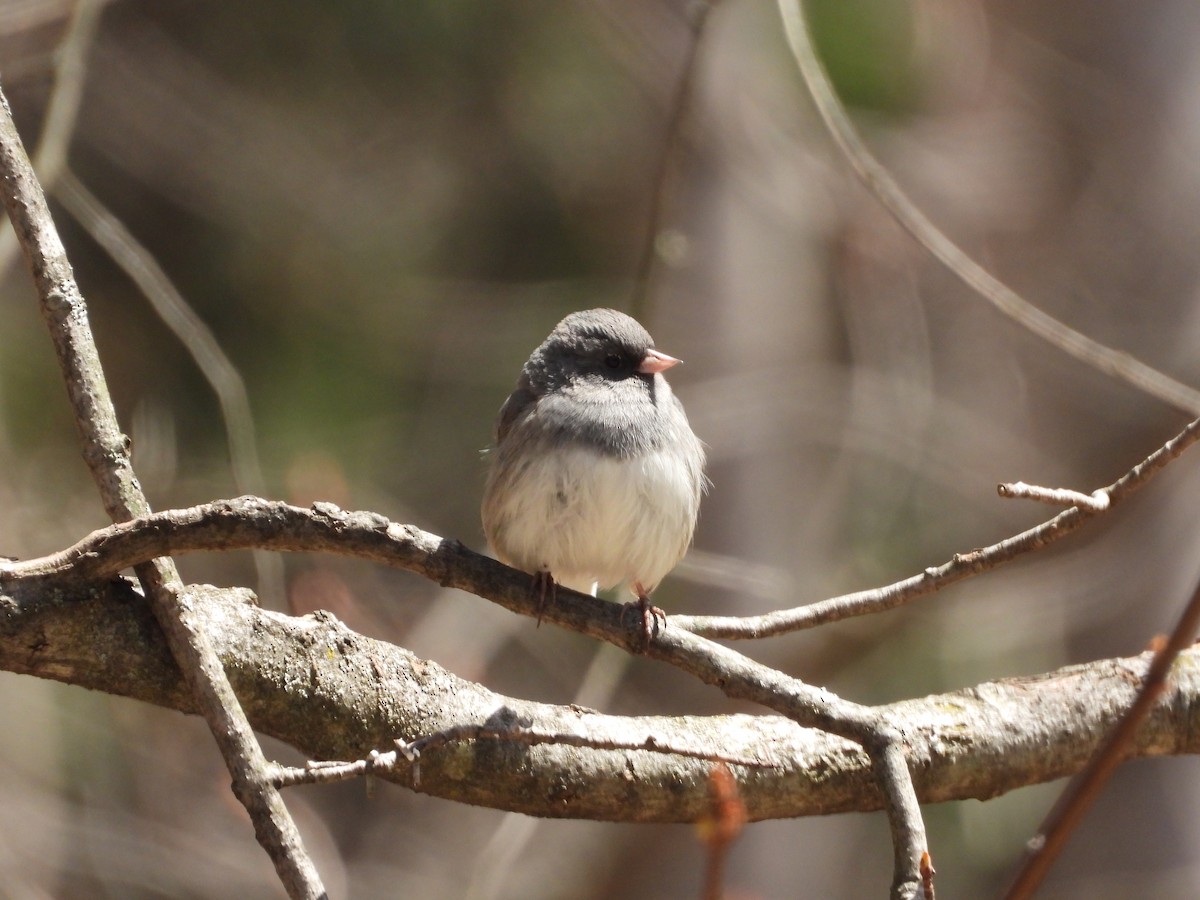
(588, 518)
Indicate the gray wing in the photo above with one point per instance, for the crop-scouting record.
(518, 402)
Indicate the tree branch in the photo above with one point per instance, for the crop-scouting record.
(960, 567)
(880, 183)
(252, 523)
(335, 694)
(214, 364)
(1079, 796)
(106, 451)
(680, 100)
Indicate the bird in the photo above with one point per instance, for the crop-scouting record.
(595, 475)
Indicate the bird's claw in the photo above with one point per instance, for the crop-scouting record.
(545, 589)
(650, 615)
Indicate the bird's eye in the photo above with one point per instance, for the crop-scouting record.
(613, 361)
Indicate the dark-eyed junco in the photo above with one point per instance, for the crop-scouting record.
(596, 476)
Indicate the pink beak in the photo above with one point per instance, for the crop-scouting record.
(657, 362)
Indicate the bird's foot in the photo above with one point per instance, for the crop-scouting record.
(650, 616)
(544, 589)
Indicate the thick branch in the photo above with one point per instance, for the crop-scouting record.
(335, 694)
(251, 522)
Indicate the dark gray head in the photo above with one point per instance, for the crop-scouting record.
(595, 345)
(596, 380)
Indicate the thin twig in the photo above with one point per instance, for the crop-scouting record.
(680, 102)
(1018, 490)
(177, 314)
(880, 183)
(51, 163)
(909, 844)
(407, 754)
(62, 109)
(1083, 790)
(106, 451)
(216, 366)
(961, 566)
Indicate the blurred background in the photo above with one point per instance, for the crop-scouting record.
(375, 210)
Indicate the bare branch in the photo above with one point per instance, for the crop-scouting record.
(406, 756)
(106, 451)
(1018, 490)
(960, 567)
(1079, 796)
(680, 101)
(879, 182)
(250, 522)
(335, 694)
(217, 368)
(50, 154)
(909, 844)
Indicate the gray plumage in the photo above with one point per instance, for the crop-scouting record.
(596, 476)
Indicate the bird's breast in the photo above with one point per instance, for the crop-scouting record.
(587, 515)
